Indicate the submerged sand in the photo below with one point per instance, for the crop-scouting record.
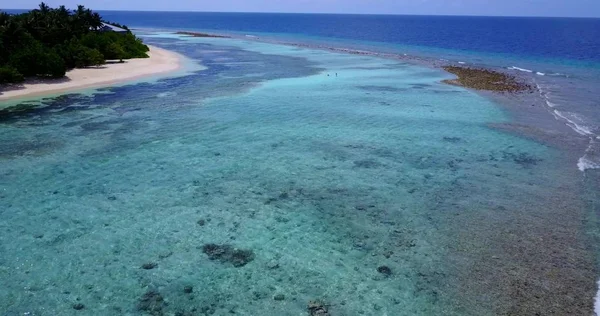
(161, 61)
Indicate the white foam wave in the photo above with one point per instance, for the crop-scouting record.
(520, 69)
(540, 73)
(584, 164)
(597, 301)
(251, 36)
(589, 160)
(165, 94)
(571, 119)
(461, 62)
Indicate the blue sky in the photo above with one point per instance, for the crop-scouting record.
(590, 8)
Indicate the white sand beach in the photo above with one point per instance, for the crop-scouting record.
(161, 61)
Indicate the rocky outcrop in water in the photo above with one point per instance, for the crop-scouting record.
(228, 254)
(317, 308)
(152, 303)
(485, 79)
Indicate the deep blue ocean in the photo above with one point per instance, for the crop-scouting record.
(561, 38)
(312, 164)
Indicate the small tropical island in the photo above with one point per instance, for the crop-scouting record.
(50, 50)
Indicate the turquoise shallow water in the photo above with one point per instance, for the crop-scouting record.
(358, 181)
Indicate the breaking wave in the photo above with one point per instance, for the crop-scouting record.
(520, 69)
(591, 156)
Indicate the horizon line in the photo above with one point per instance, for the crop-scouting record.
(340, 13)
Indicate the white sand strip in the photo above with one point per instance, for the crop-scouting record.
(161, 61)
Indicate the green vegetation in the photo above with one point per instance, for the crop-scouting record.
(46, 42)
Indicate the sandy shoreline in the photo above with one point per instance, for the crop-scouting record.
(161, 61)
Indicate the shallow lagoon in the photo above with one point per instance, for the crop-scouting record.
(108, 200)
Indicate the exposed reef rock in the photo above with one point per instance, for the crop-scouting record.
(152, 303)
(78, 306)
(317, 308)
(279, 297)
(485, 79)
(385, 270)
(149, 265)
(228, 254)
(196, 34)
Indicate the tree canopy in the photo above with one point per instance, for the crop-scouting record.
(46, 42)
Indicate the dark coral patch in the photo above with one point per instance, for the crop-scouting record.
(227, 254)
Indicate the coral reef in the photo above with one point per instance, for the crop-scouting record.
(317, 308)
(485, 79)
(149, 265)
(228, 254)
(151, 302)
(78, 306)
(385, 270)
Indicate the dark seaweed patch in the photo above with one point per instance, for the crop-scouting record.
(453, 140)
(379, 88)
(152, 302)
(524, 159)
(420, 86)
(17, 147)
(228, 254)
(367, 164)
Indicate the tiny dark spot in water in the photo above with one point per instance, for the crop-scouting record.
(452, 139)
(270, 200)
(420, 86)
(149, 265)
(78, 306)
(367, 163)
(165, 254)
(380, 88)
(112, 198)
(385, 270)
(284, 195)
(364, 207)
